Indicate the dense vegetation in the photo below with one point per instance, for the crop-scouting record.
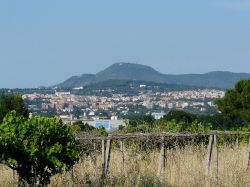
(12, 102)
(127, 87)
(236, 103)
(182, 121)
(37, 148)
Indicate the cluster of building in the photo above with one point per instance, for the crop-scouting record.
(65, 103)
(109, 111)
(182, 99)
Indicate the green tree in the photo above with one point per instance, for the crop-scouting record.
(85, 127)
(236, 103)
(136, 120)
(12, 102)
(37, 148)
(77, 112)
(180, 116)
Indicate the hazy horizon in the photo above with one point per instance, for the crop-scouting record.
(44, 43)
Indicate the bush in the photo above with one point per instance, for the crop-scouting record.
(37, 148)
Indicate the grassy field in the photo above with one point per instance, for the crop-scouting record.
(185, 167)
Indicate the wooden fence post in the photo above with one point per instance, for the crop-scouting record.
(237, 142)
(103, 158)
(209, 153)
(122, 153)
(93, 156)
(202, 147)
(216, 168)
(72, 174)
(248, 163)
(107, 157)
(14, 176)
(161, 166)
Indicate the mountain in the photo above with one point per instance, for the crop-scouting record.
(215, 79)
(130, 71)
(77, 81)
(117, 71)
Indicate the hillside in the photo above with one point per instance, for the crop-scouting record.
(215, 79)
(77, 81)
(130, 71)
(128, 87)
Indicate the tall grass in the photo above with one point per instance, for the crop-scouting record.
(184, 167)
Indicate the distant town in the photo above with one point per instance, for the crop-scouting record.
(126, 89)
(157, 103)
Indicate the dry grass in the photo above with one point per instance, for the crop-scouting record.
(185, 167)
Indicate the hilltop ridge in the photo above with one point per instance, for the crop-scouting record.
(131, 71)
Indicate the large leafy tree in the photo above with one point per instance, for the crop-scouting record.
(84, 127)
(136, 120)
(180, 116)
(12, 102)
(37, 148)
(236, 103)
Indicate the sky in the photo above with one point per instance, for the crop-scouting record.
(42, 43)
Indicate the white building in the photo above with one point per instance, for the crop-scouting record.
(158, 115)
(109, 124)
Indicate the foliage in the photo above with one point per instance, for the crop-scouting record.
(9, 102)
(101, 131)
(236, 103)
(136, 120)
(180, 116)
(37, 148)
(182, 121)
(217, 121)
(77, 112)
(84, 127)
(163, 125)
(115, 86)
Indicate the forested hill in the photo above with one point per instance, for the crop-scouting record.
(130, 71)
(128, 87)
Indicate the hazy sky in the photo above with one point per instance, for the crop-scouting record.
(45, 42)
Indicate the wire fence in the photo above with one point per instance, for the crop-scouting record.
(166, 155)
(208, 142)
